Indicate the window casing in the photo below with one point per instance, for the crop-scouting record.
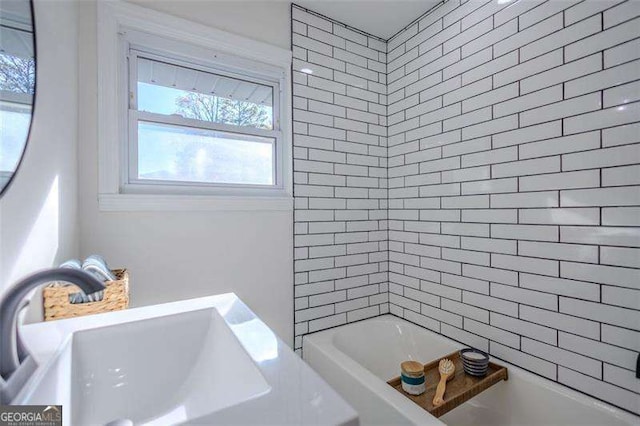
(122, 28)
(227, 156)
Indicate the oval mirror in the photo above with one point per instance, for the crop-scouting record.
(17, 84)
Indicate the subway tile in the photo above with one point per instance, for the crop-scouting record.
(561, 286)
(489, 38)
(621, 337)
(621, 216)
(524, 328)
(524, 296)
(528, 134)
(621, 176)
(492, 333)
(491, 274)
(465, 283)
(535, 66)
(490, 127)
(525, 200)
(492, 304)
(621, 95)
(489, 68)
(513, 10)
(566, 180)
(528, 35)
(525, 232)
(599, 389)
(560, 321)
(467, 311)
(490, 215)
(560, 216)
(470, 339)
(622, 53)
(443, 316)
(624, 277)
(551, 76)
(492, 245)
(607, 157)
(616, 15)
(492, 97)
(602, 80)
(497, 153)
(623, 297)
(526, 167)
(559, 251)
(422, 320)
(525, 264)
(521, 359)
(561, 38)
(490, 186)
(529, 101)
(327, 322)
(541, 12)
(603, 40)
(612, 315)
(563, 357)
(585, 9)
(620, 256)
(600, 197)
(621, 377)
(568, 108)
(560, 145)
(598, 350)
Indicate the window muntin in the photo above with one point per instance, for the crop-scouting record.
(199, 127)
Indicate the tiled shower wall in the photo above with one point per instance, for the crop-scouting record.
(340, 174)
(513, 185)
(513, 202)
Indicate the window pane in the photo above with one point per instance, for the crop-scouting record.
(169, 89)
(14, 127)
(175, 153)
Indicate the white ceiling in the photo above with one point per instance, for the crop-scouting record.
(382, 18)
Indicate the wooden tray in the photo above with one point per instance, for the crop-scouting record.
(459, 389)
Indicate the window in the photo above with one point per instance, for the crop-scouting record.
(199, 128)
(17, 86)
(189, 117)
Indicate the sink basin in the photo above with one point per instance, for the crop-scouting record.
(164, 370)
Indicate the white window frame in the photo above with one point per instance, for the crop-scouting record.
(125, 29)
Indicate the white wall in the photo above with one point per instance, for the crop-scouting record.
(38, 213)
(179, 255)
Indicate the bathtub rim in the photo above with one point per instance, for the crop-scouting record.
(322, 341)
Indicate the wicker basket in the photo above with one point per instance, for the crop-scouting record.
(57, 304)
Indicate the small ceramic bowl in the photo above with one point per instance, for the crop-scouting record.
(474, 362)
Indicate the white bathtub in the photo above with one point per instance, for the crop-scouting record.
(357, 359)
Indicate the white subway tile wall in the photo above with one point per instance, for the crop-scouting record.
(512, 150)
(340, 174)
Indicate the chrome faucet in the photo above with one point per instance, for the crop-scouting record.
(16, 364)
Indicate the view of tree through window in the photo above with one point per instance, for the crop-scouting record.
(196, 153)
(221, 110)
(17, 86)
(17, 74)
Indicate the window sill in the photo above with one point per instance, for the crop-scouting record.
(139, 202)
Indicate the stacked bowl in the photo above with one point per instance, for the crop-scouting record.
(474, 362)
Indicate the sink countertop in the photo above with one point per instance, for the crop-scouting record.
(297, 395)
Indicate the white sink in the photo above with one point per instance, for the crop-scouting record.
(208, 360)
(163, 370)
